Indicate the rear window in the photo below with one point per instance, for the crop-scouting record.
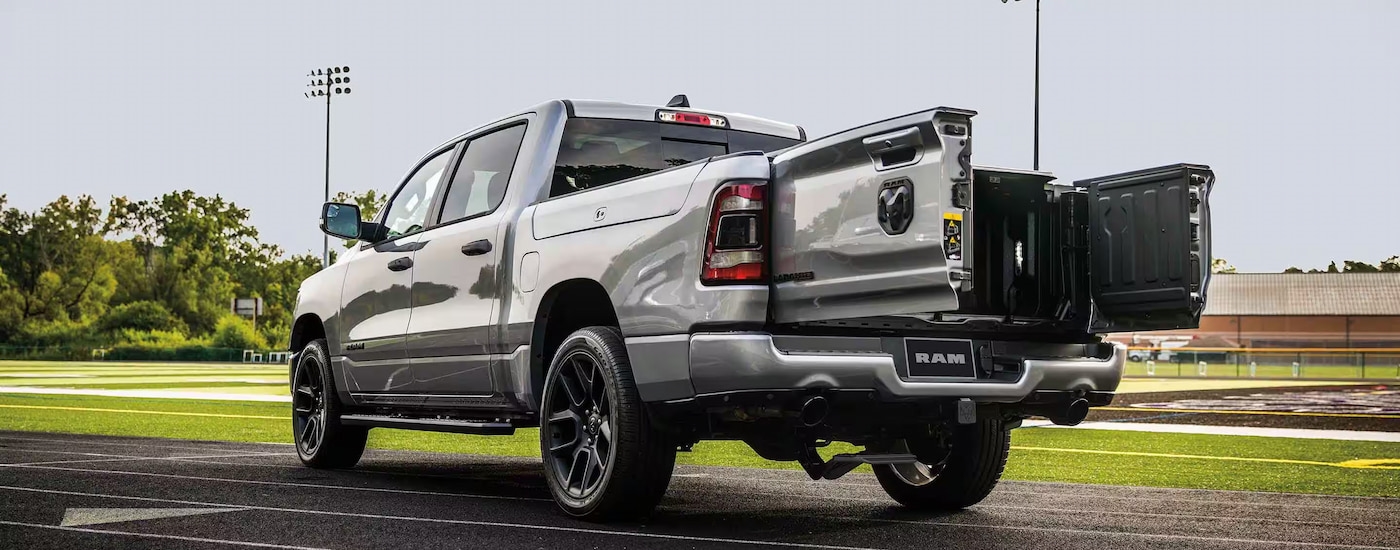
(597, 151)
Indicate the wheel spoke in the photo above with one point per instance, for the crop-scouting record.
(598, 391)
(577, 469)
(585, 379)
(593, 470)
(308, 432)
(576, 427)
(575, 394)
(301, 410)
(600, 459)
(605, 439)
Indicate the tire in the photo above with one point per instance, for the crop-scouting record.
(603, 459)
(321, 440)
(972, 468)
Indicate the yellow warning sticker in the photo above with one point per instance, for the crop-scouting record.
(952, 216)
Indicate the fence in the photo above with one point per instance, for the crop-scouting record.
(185, 354)
(1273, 363)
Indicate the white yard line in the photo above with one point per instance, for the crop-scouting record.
(152, 535)
(1295, 433)
(155, 394)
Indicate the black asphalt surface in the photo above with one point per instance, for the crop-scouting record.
(405, 500)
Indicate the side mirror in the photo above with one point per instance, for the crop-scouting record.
(341, 220)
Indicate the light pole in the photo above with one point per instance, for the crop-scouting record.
(1035, 162)
(327, 83)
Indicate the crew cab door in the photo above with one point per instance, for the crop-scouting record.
(457, 278)
(868, 222)
(375, 299)
(1149, 247)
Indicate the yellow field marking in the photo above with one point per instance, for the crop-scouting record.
(1275, 413)
(1379, 464)
(138, 411)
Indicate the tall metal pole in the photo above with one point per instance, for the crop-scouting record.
(328, 82)
(1036, 158)
(325, 239)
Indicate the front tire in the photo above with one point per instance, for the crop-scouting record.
(603, 459)
(321, 440)
(975, 460)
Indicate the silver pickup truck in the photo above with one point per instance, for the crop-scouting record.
(633, 279)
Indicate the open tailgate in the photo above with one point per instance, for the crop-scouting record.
(1149, 247)
(868, 222)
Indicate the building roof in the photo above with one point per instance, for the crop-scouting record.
(1304, 294)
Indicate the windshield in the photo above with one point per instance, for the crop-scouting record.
(596, 151)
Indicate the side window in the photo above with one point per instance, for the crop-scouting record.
(479, 185)
(409, 209)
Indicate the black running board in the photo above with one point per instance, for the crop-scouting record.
(428, 424)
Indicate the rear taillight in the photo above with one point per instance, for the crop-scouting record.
(735, 244)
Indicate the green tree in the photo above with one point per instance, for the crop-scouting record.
(1220, 265)
(141, 316)
(1391, 264)
(57, 259)
(1349, 266)
(190, 246)
(236, 332)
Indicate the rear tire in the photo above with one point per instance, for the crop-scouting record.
(321, 440)
(603, 459)
(972, 468)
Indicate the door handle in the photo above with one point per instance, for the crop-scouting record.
(476, 248)
(400, 264)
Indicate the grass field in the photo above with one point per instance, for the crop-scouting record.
(1085, 456)
(217, 378)
(1082, 456)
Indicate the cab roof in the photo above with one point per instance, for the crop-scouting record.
(590, 108)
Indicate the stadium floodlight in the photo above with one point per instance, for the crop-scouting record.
(323, 83)
(1035, 163)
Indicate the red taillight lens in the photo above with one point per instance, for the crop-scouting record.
(737, 237)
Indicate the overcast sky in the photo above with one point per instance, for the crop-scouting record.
(1296, 105)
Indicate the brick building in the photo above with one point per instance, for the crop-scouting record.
(1298, 310)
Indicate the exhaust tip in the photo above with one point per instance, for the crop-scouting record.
(814, 411)
(1073, 414)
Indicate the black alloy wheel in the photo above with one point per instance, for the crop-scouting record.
(604, 459)
(308, 407)
(580, 425)
(321, 440)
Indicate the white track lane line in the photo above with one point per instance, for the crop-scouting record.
(155, 536)
(710, 492)
(1089, 532)
(877, 500)
(1063, 510)
(1150, 499)
(210, 448)
(507, 525)
(278, 483)
(864, 499)
(131, 459)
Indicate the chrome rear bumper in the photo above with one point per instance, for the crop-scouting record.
(732, 362)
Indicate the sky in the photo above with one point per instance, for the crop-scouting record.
(1295, 104)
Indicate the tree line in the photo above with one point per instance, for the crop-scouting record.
(156, 273)
(1388, 265)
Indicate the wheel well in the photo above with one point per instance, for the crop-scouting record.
(307, 328)
(566, 307)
